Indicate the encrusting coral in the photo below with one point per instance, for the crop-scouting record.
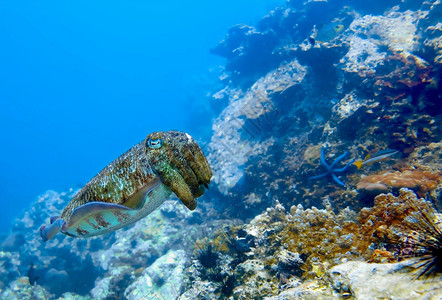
(395, 223)
(410, 72)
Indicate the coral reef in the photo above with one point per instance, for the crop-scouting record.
(302, 253)
(22, 289)
(388, 210)
(366, 88)
(408, 227)
(301, 247)
(245, 116)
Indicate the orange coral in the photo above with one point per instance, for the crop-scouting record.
(382, 256)
(417, 180)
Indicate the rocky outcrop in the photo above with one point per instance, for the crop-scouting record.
(367, 82)
(360, 280)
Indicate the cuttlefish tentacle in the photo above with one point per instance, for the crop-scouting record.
(175, 181)
(202, 162)
(185, 170)
(134, 185)
(191, 162)
(197, 169)
(199, 191)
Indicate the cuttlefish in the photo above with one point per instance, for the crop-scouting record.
(134, 185)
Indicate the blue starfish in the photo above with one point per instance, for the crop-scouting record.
(331, 170)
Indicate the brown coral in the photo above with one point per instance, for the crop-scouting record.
(388, 212)
(409, 71)
(410, 226)
(319, 235)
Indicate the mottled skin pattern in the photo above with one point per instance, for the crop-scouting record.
(179, 163)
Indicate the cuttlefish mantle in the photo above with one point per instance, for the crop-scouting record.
(134, 185)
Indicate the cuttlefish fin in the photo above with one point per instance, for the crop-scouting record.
(91, 218)
(95, 217)
(49, 232)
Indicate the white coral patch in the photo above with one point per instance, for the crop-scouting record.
(395, 31)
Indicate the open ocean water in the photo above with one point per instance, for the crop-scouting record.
(221, 150)
(82, 82)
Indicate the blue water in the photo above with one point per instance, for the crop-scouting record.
(82, 82)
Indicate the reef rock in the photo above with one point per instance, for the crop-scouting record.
(394, 31)
(229, 151)
(361, 280)
(373, 281)
(362, 79)
(300, 253)
(22, 289)
(164, 278)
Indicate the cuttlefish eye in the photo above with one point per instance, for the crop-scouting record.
(154, 144)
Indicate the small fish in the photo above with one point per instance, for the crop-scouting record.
(329, 31)
(31, 274)
(379, 156)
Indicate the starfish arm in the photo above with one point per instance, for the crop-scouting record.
(336, 179)
(345, 167)
(323, 161)
(319, 176)
(337, 160)
(350, 163)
